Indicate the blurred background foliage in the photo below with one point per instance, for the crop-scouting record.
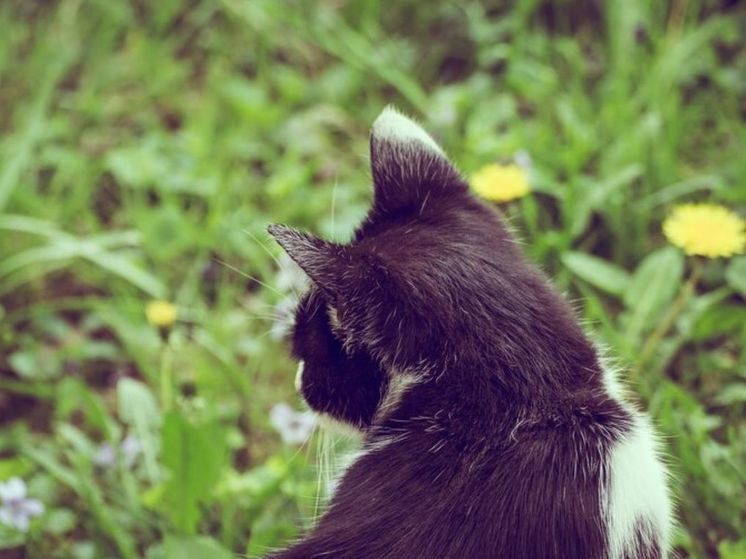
(146, 145)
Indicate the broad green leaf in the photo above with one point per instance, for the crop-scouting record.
(198, 547)
(719, 320)
(12, 540)
(37, 256)
(194, 456)
(47, 459)
(732, 550)
(65, 247)
(735, 274)
(696, 307)
(11, 467)
(31, 225)
(599, 273)
(76, 440)
(124, 267)
(72, 395)
(654, 284)
(60, 521)
(37, 363)
(139, 409)
(598, 193)
(732, 394)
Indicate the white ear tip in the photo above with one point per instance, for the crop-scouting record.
(394, 126)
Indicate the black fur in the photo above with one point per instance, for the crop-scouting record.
(347, 387)
(499, 448)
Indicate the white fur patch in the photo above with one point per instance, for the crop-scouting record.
(615, 388)
(637, 484)
(333, 315)
(333, 425)
(342, 464)
(393, 126)
(299, 376)
(399, 383)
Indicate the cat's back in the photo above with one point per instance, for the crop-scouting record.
(583, 481)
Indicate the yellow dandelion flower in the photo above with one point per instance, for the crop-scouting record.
(161, 313)
(705, 230)
(500, 183)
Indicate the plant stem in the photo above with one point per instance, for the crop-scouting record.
(655, 338)
(166, 374)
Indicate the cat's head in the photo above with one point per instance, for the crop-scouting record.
(419, 282)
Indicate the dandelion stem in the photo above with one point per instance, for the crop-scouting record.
(655, 338)
(166, 375)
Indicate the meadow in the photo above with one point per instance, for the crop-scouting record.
(147, 406)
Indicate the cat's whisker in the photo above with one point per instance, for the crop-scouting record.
(276, 319)
(265, 306)
(288, 297)
(265, 334)
(269, 310)
(284, 321)
(301, 447)
(248, 276)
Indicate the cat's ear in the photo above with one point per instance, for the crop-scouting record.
(324, 262)
(408, 166)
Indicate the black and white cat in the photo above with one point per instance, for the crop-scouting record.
(490, 427)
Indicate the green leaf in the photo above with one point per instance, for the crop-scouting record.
(33, 128)
(653, 285)
(194, 455)
(598, 195)
(124, 267)
(599, 273)
(63, 248)
(37, 256)
(60, 521)
(72, 395)
(10, 539)
(138, 408)
(732, 394)
(83, 550)
(32, 225)
(719, 320)
(735, 274)
(732, 550)
(31, 366)
(199, 547)
(47, 459)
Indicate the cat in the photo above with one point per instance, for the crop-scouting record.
(491, 428)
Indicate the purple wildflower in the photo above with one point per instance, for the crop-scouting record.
(106, 454)
(294, 426)
(17, 509)
(131, 448)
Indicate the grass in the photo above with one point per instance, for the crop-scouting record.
(146, 146)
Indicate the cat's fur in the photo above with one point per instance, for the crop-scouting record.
(490, 426)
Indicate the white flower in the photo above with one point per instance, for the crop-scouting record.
(292, 281)
(17, 509)
(131, 448)
(106, 455)
(294, 426)
(284, 317)
(290, 277)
